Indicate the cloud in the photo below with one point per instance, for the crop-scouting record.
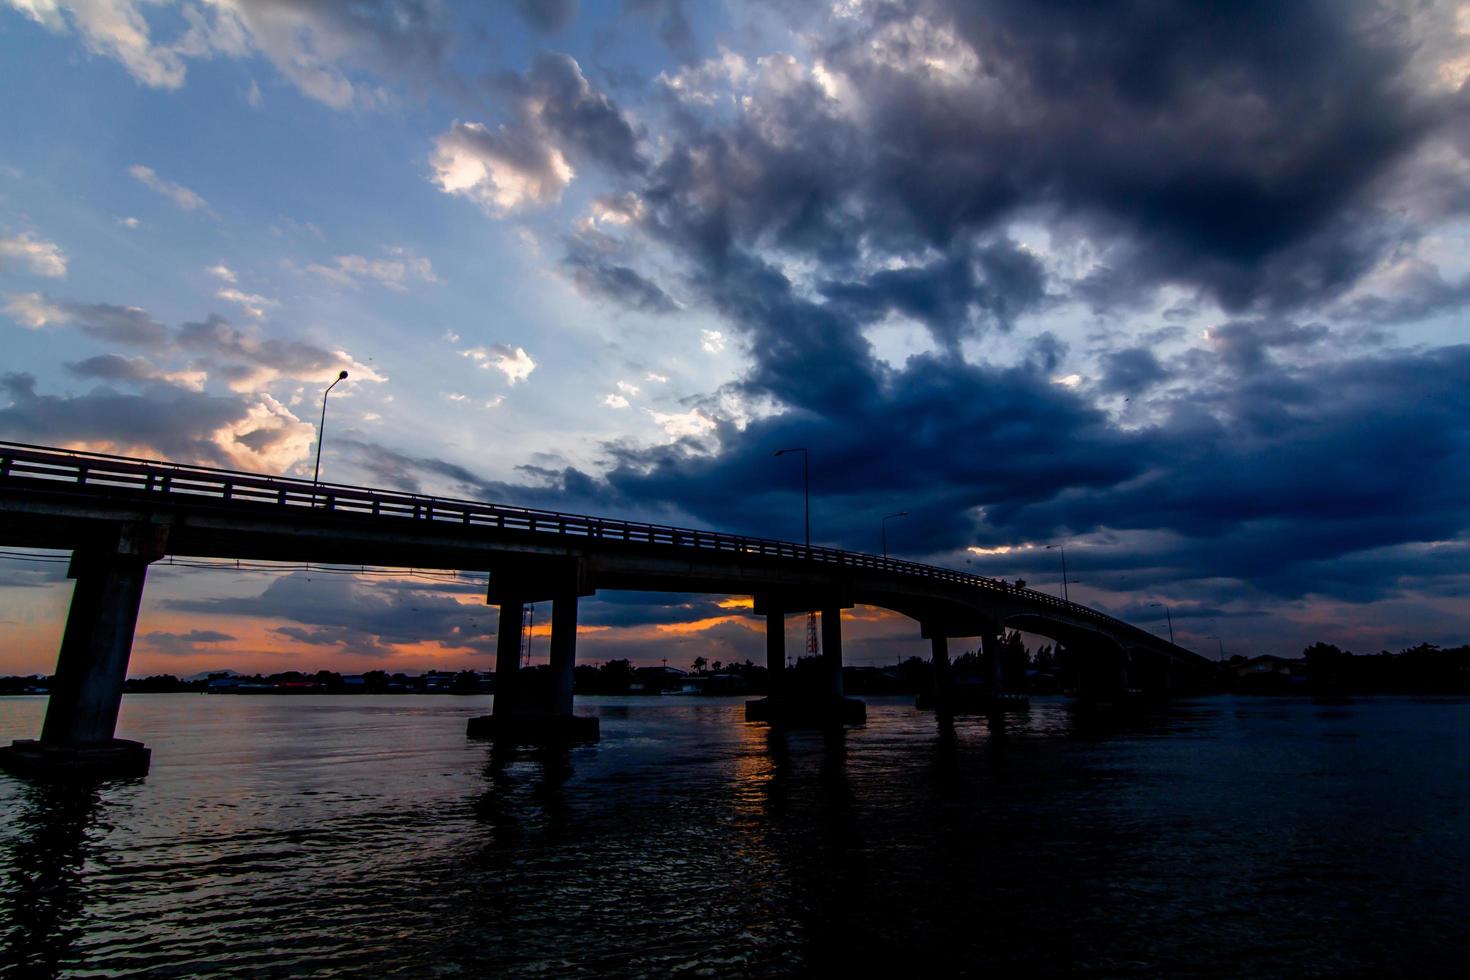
(324, 49)
(393, 273)
(136, 370)
(222, 272)
(253, 304)
(561, 119)
(131, 223)
(712, 341)
(615, 401)
(36, 255)
(162, 419)
(250, 360)
(498, 168)
(104, 321)
(114, 29)
(513, 362)
(683, 425)
(181, 644)
(547, 16)
(180, 195)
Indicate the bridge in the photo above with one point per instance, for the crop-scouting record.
(117, 515)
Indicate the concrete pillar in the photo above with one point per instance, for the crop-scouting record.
(93, 662)
(832, 648)
(563, 652)
(939, 662)
(507, 656)
(776, 653)
(990, 648)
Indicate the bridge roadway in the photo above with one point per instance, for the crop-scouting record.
(117, 515)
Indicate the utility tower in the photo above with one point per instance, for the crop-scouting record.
(528, 619)
(813, 647)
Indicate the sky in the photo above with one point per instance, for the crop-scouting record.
(1180, 289)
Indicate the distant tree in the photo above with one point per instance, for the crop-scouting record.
(699, 665)
(715, 666)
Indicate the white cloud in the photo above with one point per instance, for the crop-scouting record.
(268, 439)
(690, 424)
(393, 273)
(451, 337)
(253, 304)
(713, 341)
(514, 363)
(501, 169)
(33, 311)
(1068, 380)
(222, 272)
(114, 29)
(615, 401)
(130, 222)
(628, 389)
(178, 193)
(658, 379)
(455, 396)
(253, 98)
(38, 255)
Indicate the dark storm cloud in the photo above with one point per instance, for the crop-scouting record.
(547, 16)
(176, 422)
(953, 297)
(672, 22)
(595, 266)
(554, 98)
(1131, 370)
(112, 323)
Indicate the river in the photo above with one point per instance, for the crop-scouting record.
(365, 836)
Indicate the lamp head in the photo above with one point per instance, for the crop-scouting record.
(342, 376)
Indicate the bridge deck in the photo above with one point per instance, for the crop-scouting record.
(42, 487)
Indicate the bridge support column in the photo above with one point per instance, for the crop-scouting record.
(563, 653)
(832, 649)
(508, 657)
(990, 649)
(775, 653)
(535, 707)
(940, 697)
(77, 736)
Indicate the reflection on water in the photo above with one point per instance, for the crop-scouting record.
(367, 836)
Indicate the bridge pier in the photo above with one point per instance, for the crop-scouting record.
(78, 734)
(540, 711)
(942, 696)
(789, 702)
(775, 653)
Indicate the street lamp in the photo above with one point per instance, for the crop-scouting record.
(322, 429)
(883, 524)
(806, 486)
(1063, 549)
(1168, 618)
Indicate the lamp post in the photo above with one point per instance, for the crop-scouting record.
(1063, 549)
(1167, 618)
(806, 487)
(322, 429)
(883, 524)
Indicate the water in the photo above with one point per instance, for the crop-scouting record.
(367, 837)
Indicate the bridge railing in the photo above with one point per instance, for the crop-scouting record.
(98, 471)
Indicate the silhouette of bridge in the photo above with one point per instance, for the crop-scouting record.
(117, 515)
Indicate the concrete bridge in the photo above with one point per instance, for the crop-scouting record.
(117, 515)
